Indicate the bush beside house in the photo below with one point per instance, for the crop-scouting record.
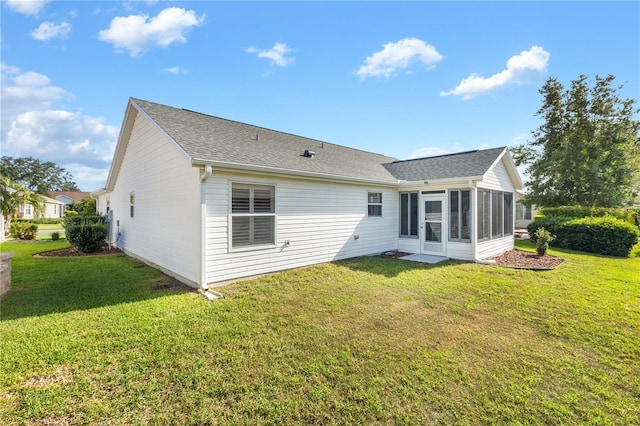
(86, 232)
(608, 231)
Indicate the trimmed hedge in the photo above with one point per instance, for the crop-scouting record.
(23, 230)
(87, 233)
(577, 212)
(42, 221)
(550, 223)
(603, 235)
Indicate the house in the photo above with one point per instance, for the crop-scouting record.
(209, 200)
(69, 197)
(51, 209)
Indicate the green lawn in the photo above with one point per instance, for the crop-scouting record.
(362, 341)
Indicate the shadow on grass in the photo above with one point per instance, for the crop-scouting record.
(390, 267)
(42, 286)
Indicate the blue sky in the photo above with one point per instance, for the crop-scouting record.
(404, 79)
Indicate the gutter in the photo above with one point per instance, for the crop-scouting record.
(284, 172)
(204, 175)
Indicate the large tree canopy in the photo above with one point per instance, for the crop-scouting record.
(587, 151)
(36, 175)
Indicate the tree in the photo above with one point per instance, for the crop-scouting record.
(587, 151)
(86, 206)
(14, 195)
(36, 175)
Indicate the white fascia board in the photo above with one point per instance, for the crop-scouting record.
(236, 167)
(439, 181)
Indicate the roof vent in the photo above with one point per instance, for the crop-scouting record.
(309, 154)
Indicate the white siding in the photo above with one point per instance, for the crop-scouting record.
(460, 250)
(322, 222)
(165, 229)
(498, 179)
(494, 247)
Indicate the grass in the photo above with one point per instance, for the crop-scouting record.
(360, 341)
(48, 229)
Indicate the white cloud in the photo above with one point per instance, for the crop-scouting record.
(521, 68)
(138, 33)
(428, 151)
(33, 126)
(398, 56)
(176, 70)
(27, 7)
(277, 54)
(49, 30)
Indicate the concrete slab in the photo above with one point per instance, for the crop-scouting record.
(424, 258)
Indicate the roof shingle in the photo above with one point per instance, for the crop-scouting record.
(460, 165)
(211, 139)
(205, 138)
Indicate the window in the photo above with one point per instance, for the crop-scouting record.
(374, 203)
(409, 214)
(28, 209)
(495, 214)
(252, 215)
(508, 213)
(523, 212)
(132, 201)
(459, 219)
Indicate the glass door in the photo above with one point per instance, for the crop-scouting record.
(433, 228)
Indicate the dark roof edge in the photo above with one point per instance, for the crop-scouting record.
(452, 154)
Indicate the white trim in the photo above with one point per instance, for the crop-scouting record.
(276, 171)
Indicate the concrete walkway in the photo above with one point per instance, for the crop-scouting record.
(424, 258)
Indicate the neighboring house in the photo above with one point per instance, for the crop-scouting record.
(52, 209)
(524, 214)
(208, 200)
(69, 197)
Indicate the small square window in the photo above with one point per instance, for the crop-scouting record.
(374, 203)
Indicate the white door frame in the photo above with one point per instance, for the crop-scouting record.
(437, 248)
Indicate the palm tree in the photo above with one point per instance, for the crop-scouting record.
(14, 195)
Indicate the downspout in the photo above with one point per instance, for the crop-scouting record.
(204, 288)
(473, 185)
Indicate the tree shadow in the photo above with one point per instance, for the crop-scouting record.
(43, 286)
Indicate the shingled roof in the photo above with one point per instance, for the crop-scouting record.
(221, 142)
(469, 164)
(209, 139)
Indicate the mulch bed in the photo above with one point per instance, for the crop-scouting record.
(71, 252)
(517, 259)
(520, 259)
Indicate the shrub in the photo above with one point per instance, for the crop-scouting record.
(23, 230)
(577, 212)
(86, 232)
(550, 223)
(543, 238)
(55, 236)
(603, 235)
(42, 220)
